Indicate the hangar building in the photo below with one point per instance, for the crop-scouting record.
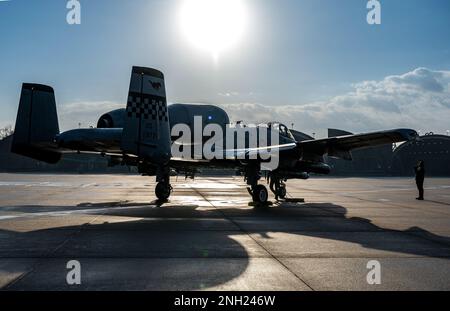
(431, 148)
(373, 161)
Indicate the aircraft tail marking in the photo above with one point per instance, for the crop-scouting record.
(146, 132)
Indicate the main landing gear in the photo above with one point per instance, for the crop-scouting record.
(259, 193)
(163, 188)
(163, 191)
(278, 187)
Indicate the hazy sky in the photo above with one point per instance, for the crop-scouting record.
(316, 63)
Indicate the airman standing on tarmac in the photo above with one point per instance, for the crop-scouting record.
(420, 177)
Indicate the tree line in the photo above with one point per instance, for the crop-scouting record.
(6, 131)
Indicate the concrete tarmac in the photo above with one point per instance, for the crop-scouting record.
(208, 237)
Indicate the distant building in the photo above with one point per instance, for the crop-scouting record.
(10, 162)
(70, 163)
(433, 149)
(373, 161)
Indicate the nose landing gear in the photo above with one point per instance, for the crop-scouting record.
(259, 193)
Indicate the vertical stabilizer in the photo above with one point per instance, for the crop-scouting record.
(146, 133)
(36, 124)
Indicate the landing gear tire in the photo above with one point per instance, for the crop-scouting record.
(163, 190)
(260, 194)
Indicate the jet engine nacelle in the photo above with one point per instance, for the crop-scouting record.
(178, 113)
(185, 113)
(112, 119)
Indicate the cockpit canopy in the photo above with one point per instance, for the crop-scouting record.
(283, 129)
(271, 126)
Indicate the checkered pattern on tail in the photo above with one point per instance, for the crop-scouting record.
(146, 108)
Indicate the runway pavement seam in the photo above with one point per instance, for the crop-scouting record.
(48, 255)
(404, 206)
(412, 233)
(21, 276)
(259, 244)
(377, 202)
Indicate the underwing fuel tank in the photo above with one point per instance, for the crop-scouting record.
(302, 170)
(294, 175)
(312, 167)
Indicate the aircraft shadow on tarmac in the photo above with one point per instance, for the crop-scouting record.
(198, 246)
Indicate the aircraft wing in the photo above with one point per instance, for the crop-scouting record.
(341, 146)
(249, 153)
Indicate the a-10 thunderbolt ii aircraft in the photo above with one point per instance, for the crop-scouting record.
(145, 134)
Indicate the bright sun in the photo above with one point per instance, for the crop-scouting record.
(213, 25)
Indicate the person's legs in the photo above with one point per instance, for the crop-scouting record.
(420, 188)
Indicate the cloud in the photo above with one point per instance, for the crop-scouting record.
(86, 113)
(419, 99)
